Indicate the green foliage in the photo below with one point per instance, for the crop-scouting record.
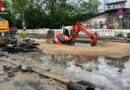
(18, 5)
(5, 3)
(49, 13)
(84, 7)
(120, 35)
(7, 13)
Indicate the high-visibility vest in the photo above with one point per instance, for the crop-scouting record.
(24, 31)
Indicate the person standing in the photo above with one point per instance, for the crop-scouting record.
(24, 33)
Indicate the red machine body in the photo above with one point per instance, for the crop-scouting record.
(60, 38)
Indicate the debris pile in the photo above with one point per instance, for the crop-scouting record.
(11, 70)
(26, 46)
(77, 86)
(1, 54)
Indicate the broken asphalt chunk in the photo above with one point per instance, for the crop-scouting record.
(26, 69)
(1, 54)
(6, 67)
(10, 74)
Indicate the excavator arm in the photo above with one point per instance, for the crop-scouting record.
(60, 38)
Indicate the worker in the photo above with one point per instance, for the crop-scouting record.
(24, 33)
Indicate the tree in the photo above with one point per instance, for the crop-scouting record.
(82, 7)
(7, 13)
(50, 13)
(84, 10)
(19, 7)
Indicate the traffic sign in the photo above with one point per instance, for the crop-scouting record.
(1, 4)
(23, 22)
(120, 12)
(120, 16)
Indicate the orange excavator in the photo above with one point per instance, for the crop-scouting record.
(60, 38)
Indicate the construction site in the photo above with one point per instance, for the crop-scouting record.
(76, 58)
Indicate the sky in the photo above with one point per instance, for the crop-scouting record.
(102, 3)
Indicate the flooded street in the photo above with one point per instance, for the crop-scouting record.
(112, 72)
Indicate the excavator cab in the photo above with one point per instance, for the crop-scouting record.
(67, 30)
(60, 38)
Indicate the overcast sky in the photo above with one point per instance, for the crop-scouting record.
(102, 3)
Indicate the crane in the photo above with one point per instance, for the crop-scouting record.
(60, 38)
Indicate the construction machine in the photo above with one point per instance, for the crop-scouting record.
(4, 27)
(7, 35)
(60, 38)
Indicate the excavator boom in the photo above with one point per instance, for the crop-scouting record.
(60, 38)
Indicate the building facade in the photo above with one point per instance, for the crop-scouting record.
(112, 17)
(114, 21)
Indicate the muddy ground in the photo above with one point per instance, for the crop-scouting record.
(111, 72)
(99, 65)
(25, 80)
(103, 48)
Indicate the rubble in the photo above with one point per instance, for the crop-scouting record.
(6, 67)
(76, 86)
(10, 74)
(16, 69)
(1, 54)
(12, 70)
(26, 46)
(26, 69)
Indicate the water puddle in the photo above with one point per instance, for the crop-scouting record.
(82, 44)
(34, 85)
(112, 72)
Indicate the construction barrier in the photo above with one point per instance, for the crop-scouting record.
(103, 33)
(43, 31)
(107, 33)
